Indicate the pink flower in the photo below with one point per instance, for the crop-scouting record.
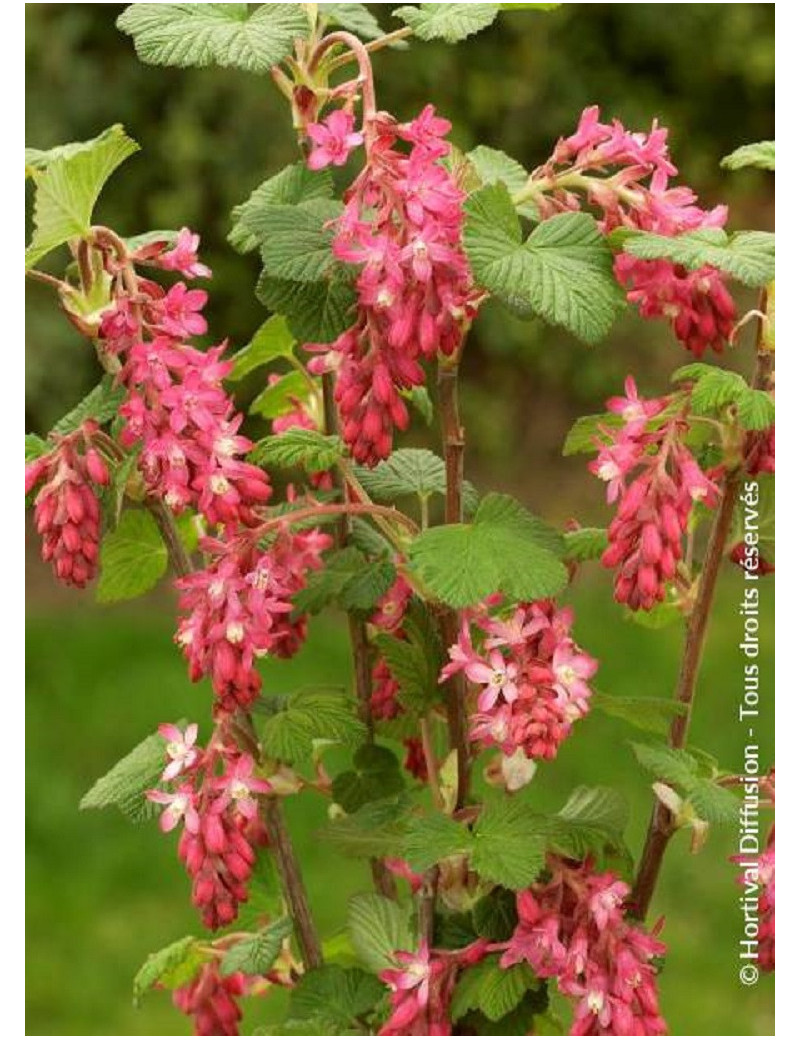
(333, 140)
(238, 787)
(571, 669)
(180, 311)
(183, 256)
(497, 676)
(633, 409)
(181, 749)
(179, 806)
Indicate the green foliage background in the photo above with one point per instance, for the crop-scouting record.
(101, 894)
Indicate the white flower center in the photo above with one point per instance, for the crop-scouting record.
(239, 791)
(219, 484)
(234, 633)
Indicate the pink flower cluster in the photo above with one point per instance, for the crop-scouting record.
(657, 481)
(177, 407)
(572, 928)
(402, 227)
(213, 795)
(240, 608)
(210, 998)
(67, 509)
(533, 678)
(422, 986)
(333, 139)
(638, 196)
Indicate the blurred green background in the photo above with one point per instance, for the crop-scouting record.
(102, 894)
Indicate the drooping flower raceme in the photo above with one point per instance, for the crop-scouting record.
(67, 508)
(240, 608)
(638, 195)
(533, 678)
(402, 227)
(572, 928)
(656, 481)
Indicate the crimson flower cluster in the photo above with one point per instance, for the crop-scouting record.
(422, 986)
(67, 509)
(533, 678)
(402, 227)
(210, 998)
(213, 794)
(176, 405)
(572, 928)
(639, 196)
(240, 608)
(657, 481)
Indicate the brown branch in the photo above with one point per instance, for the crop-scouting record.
(455, 688)
(662, 827)
(176, 552)
(292, 883)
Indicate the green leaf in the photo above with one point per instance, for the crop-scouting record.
(505, 549)
(335, 995)
(307, 716)
(132, 558)
(507, 849)
(529, 7)
(379, 928)
(376, 829)
(495, 915)
(420, 399)
(490, 989)
(311, 450)
(662, 615)
(432, 838)
(297, 240)
(755, 409)
(493, 166)
(256, 954)
(317, 312)
(272, 340)
(293, 185)
(281, 396)
(196, 35)
(413, 660)
(125, 784)
(376, 774)
(593, 819)
(174, 966)
(652, 714)
(356, 18)
(673, 765)
(585, 431)
(410, 471)
(561, 273)
(760, 154)
(101, 404)
(587, 543)
(35, 447)
(68, 186)
(449, 22)
(348, 580)
(749, 256)
(713, 803)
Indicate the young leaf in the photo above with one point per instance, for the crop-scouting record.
(662, 615)
(101, 404)
(749, 256)
(293, 185)
(337, 996)
(376, 775)
(256, 954)
(35, 447)
(297, 240)
(309, 449)
(493, 166)
(562, 272)
(760, 154)
(673, 765)
(587, 543)
(347, 581)
(507, 848)
(196, 35)
(279, 397)
(125, 784)
(449, 22)
(593, 819)
(379, 928)
(585, 431)
(132, 558)
(652, 714)
(68, 186)
(356, 18)
(307, 716)
(174, 966)
(505, 549)
(317, 312)
(432, 838)
(272, 340)
(755, 409)
(713, 803)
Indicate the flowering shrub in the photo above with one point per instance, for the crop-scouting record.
(464, 656)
